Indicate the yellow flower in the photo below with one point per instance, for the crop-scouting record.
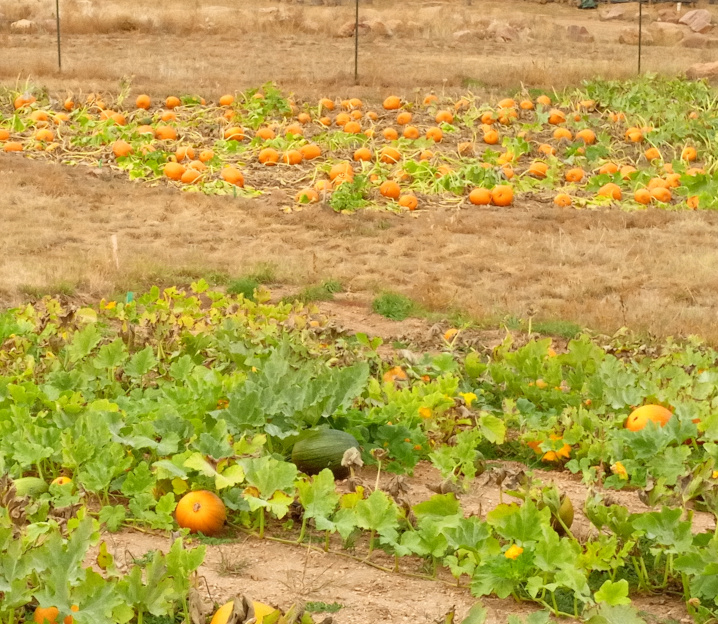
(619, 469)
(513, 552)
(425, 412)
(540, 383)
(450, 333)
(715, 474)
(469, 398)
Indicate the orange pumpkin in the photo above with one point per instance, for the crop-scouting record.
(411, 132)
(502, 195)
(409, 201)
(201, 512)
(610, 190)
(642, 196)
(575, 175)
(390, 189)
(480, 196)
(389, 155)
(562, 200)
(234, 134)
(233, 176)
(48, 615)
(268, 156)
(143, 101)
(639, 417)
(121, 149)
(363, 153)
(393, 102)
(174, 171)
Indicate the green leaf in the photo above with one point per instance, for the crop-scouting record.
(520, 524)
(112, 517)
(438, 506)
(613, 593)
(229, 477)
(83, 342)
(618, 614)
(141, 363)
(377, 513)
(318, 496)
(476, 615)
(111, 355)
(269, 475)
(493, 428)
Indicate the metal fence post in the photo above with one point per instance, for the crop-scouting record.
(59, 50)
(640, 33)
(356, 44)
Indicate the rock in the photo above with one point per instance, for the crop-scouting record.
(502, 32)
(614, 13)
(347, 29)
(666, 34)
(378, 28)
(579, 34)
(668, 15)
(702, 70)
(465, 35)
(698, 20)
(23, 27)
(700, 42)
(629, 36)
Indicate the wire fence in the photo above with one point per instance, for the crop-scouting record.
(362, 41)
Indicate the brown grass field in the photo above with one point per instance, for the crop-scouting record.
(652, 271)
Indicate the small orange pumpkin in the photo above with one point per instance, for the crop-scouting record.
(639, 417)
(201, 511)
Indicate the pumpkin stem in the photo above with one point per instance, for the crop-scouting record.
(196, 507)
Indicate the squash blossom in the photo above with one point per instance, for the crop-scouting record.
(425, 412)
(513, 552)
(469, 398)
(715, 474)
(619, 469)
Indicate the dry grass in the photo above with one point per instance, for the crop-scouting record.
(187, 45)
(653, 271)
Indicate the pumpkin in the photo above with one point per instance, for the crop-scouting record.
(444, 116)
(652, 153)
(642, 196)
(323, 448)
(390, 155)
(310, 151)
(575, 175)
(327, 103)
(639, 417)
(562, 133)
(143, 101)
(411, 132)
(393, 102)
(507, 103)
(362, 153)
(491, 137)
(431, 99)
(390, 134)
(12, 146)
(480, 196)
(174, 171)
(562, 200)
(233, 176)
(502, 195)
(610, 190)
(184, 151)
(608, 168)
(409, 201)
(295, 129)
(48, 615)
(44, 134)
(341, 168)
(223, 614)
(689, 154)
(265, 133)
(526, 105)
(403, 118)
(268, 156)
(544, 100)
(201, 511)
(206, 155)
(307, 196)
(121, 149)
(390, 189)
(234, 134)
(226, 100)
(587, 136)
(62, 480)
(166, 133)
(556, 117)
(172, 102)
(538, 169)
(292, 157)
(435, 134)
(661, 194)
(352, 127)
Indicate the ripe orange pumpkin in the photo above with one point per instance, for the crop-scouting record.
(507, 103)
(435, 134)
(61, 480)
(390, 189)
(44, 134)
(526, 105)
(544, 100)
(411, 132)
(166, 133)
(502, 195)
(444, 116)
(390, 134)
(327, 103)
(546, 149)
(234, 134)
(143, 101)
(341, 169)
(268, 156)
(409, 201)
(121, 149)
(4, 134)
(426, 155)
(226, 100)
(393, 102)
(689, 154)
(562, 133)
(389, 155)
(588, 136)
(639, 417)
(563, 200)
(480, 196)
(575, 175)
(310, 151)
(556, 117)
(172, 102)
(661, 194)
(48, 615)
(307, 196)
(431, 99)
(206, 155)
(491, 137)
(363, 153)
(190, 175)
(611, 190)
(642, 196)
(352, 127)
(184, 151)
(201, 511)
(292, 157)
(174, 171)
(609, 168)
(538, 169)
(652, 153)
(26, 99)
(12, 146)
(233, 176)
(403, 118)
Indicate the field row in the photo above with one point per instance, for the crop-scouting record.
(633, 145)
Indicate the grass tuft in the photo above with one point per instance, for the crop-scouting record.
(394, 306)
